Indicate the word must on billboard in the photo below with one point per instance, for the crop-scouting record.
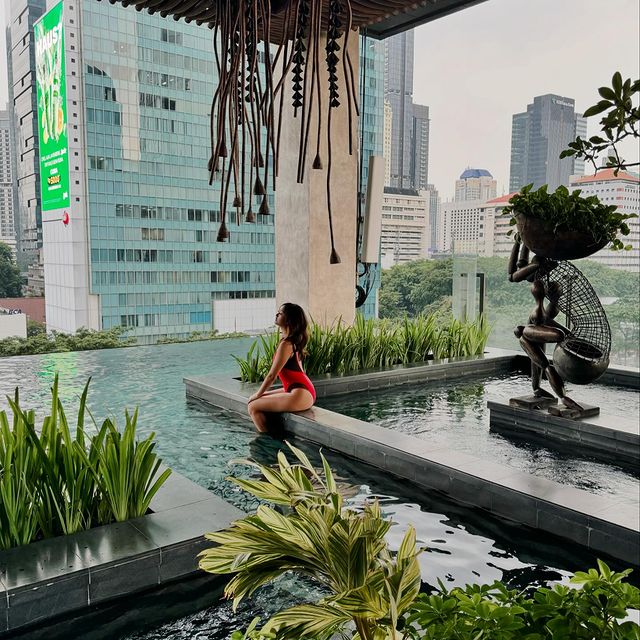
(52, 109)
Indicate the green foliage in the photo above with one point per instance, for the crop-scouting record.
(372, 344)
(595, 609)
(35, 328)
(200, 336)
(10, 278)
(341, 549)
(373, 594)
(54, 483)
(620, 121)
(82, 340)
(565, 211)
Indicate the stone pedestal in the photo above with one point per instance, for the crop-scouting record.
(586, 411)
(532, 402)
(303, 273)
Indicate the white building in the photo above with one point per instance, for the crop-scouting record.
(502, 242)
(467, 227)
(7, 229)
(622, 190)
(405, 226)
(475, 184)
(388, 128)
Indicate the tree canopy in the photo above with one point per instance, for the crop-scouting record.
(10, 279)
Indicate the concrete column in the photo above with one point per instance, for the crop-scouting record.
(303, 273)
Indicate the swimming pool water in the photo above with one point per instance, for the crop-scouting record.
(455, 414)
(462, 545)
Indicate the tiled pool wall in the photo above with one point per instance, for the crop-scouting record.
(604, 524)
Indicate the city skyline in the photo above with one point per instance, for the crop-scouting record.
(505, 73)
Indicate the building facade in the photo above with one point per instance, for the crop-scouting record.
(502, 241)
(405, 226)
(7, 191)
(467, 227)
(475, 184)
(408, 145)
(538, 136)
(22, 14)
(388, 129)
(139, 247)
(435, 219)
(420, 147)
(623, 191)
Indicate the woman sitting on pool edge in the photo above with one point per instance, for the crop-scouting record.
(297, 393)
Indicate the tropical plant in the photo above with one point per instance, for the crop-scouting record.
(10, 278)
(342, 549)
(54, 483)
(622, 120)
(563, 210)
(595, 608)
(373, 344)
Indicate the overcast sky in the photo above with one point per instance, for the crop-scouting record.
(478, 67)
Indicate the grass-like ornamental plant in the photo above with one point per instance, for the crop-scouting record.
(372, 344)
(342, 549)
(568, 211)
(53, 482)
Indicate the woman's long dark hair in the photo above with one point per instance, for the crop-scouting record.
(297, 326)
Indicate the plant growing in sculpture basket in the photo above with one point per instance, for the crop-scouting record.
(565, 225)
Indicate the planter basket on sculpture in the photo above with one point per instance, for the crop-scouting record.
(562, 244)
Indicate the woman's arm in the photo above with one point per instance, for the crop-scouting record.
(283, 353)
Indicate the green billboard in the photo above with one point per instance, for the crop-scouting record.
(52, 110)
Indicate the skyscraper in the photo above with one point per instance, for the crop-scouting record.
(408, 155)
(420, 147)
(372, 123)
(7, 232)
(398, 92)
(136, 244)
(23, 113)
(538, 136)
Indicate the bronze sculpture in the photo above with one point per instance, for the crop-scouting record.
(583, 342)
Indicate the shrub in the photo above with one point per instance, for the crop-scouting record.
(54, 483)
(373, 344)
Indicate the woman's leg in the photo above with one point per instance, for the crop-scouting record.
(294, 400)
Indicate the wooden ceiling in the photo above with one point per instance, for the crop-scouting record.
(380, 18)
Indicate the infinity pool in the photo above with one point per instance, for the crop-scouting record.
(455, 414)
(462, 545)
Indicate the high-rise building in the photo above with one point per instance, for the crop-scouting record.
(435, 219)
(623, 191)
(537, 139)
(405, 226)
(398, 92)
(372, 122)
(502, 229)
(23, 113)
(420, 147)
(409, 143)
(7, 230)
(136, 244)
(475, 184)
(388, 128)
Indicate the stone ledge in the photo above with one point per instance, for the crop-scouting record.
(592, 436)
(56, 576)
(570, 513)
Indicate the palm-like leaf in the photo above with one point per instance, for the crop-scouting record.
(342, 549)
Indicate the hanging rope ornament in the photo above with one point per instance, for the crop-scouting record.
(247, 106)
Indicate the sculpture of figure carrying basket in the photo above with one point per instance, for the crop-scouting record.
(559, 227)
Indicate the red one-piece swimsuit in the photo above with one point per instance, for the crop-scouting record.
(292, 376)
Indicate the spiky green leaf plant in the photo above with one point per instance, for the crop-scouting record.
(343, 549)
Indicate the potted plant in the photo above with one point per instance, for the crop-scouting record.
(565, 226)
